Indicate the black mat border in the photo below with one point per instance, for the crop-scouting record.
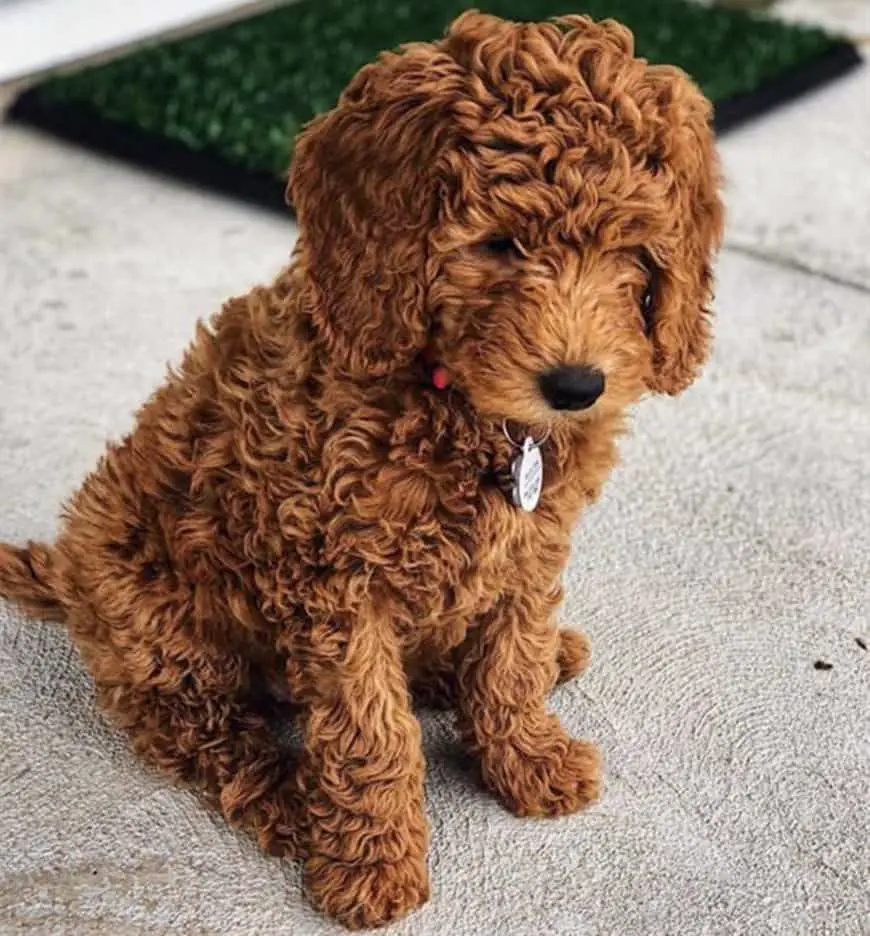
(81, 125)
(837, 60)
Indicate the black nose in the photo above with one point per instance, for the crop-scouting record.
(572, 388)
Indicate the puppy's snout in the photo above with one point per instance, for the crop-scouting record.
(572, 388)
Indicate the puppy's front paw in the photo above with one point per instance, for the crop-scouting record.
(555, 782)
(362, 896)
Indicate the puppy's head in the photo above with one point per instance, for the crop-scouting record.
(530, 203)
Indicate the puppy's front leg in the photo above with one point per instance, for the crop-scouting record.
(526, 757)
(364, 772)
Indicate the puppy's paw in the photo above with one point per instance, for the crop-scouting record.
(557, 782)
(573, 656)
(362, 896)
(272, 806)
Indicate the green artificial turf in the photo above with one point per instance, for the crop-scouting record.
(241, 92)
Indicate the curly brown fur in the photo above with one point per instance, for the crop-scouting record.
(299, 512)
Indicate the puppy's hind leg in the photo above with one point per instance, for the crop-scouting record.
(216, 740)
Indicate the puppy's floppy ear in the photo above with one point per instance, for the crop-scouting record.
(686, 158)
(364, 186)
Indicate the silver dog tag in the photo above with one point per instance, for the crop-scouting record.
(527, 471)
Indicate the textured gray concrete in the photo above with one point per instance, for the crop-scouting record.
(730, 553)
(799, 182)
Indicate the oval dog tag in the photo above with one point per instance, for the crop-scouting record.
(527, 470)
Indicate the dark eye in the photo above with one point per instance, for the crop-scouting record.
(504, 247)
(648, 302)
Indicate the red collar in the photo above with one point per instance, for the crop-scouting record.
(440, 377)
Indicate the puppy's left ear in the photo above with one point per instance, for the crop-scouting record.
(364, 187)
(682, 279)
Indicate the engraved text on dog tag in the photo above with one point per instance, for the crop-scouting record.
(527, 471)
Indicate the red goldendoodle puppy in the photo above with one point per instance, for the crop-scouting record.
(361, 482)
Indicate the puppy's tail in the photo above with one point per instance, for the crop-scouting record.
(27, 576)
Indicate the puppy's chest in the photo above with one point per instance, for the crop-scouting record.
(416, 513)
(447, 573)
(443, 538)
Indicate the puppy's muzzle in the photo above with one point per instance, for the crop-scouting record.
(572, 388)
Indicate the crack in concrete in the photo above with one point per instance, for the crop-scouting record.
(791, 263)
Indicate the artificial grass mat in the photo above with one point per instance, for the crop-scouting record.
(222, 108)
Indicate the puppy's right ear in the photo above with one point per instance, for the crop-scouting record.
(364, 187)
